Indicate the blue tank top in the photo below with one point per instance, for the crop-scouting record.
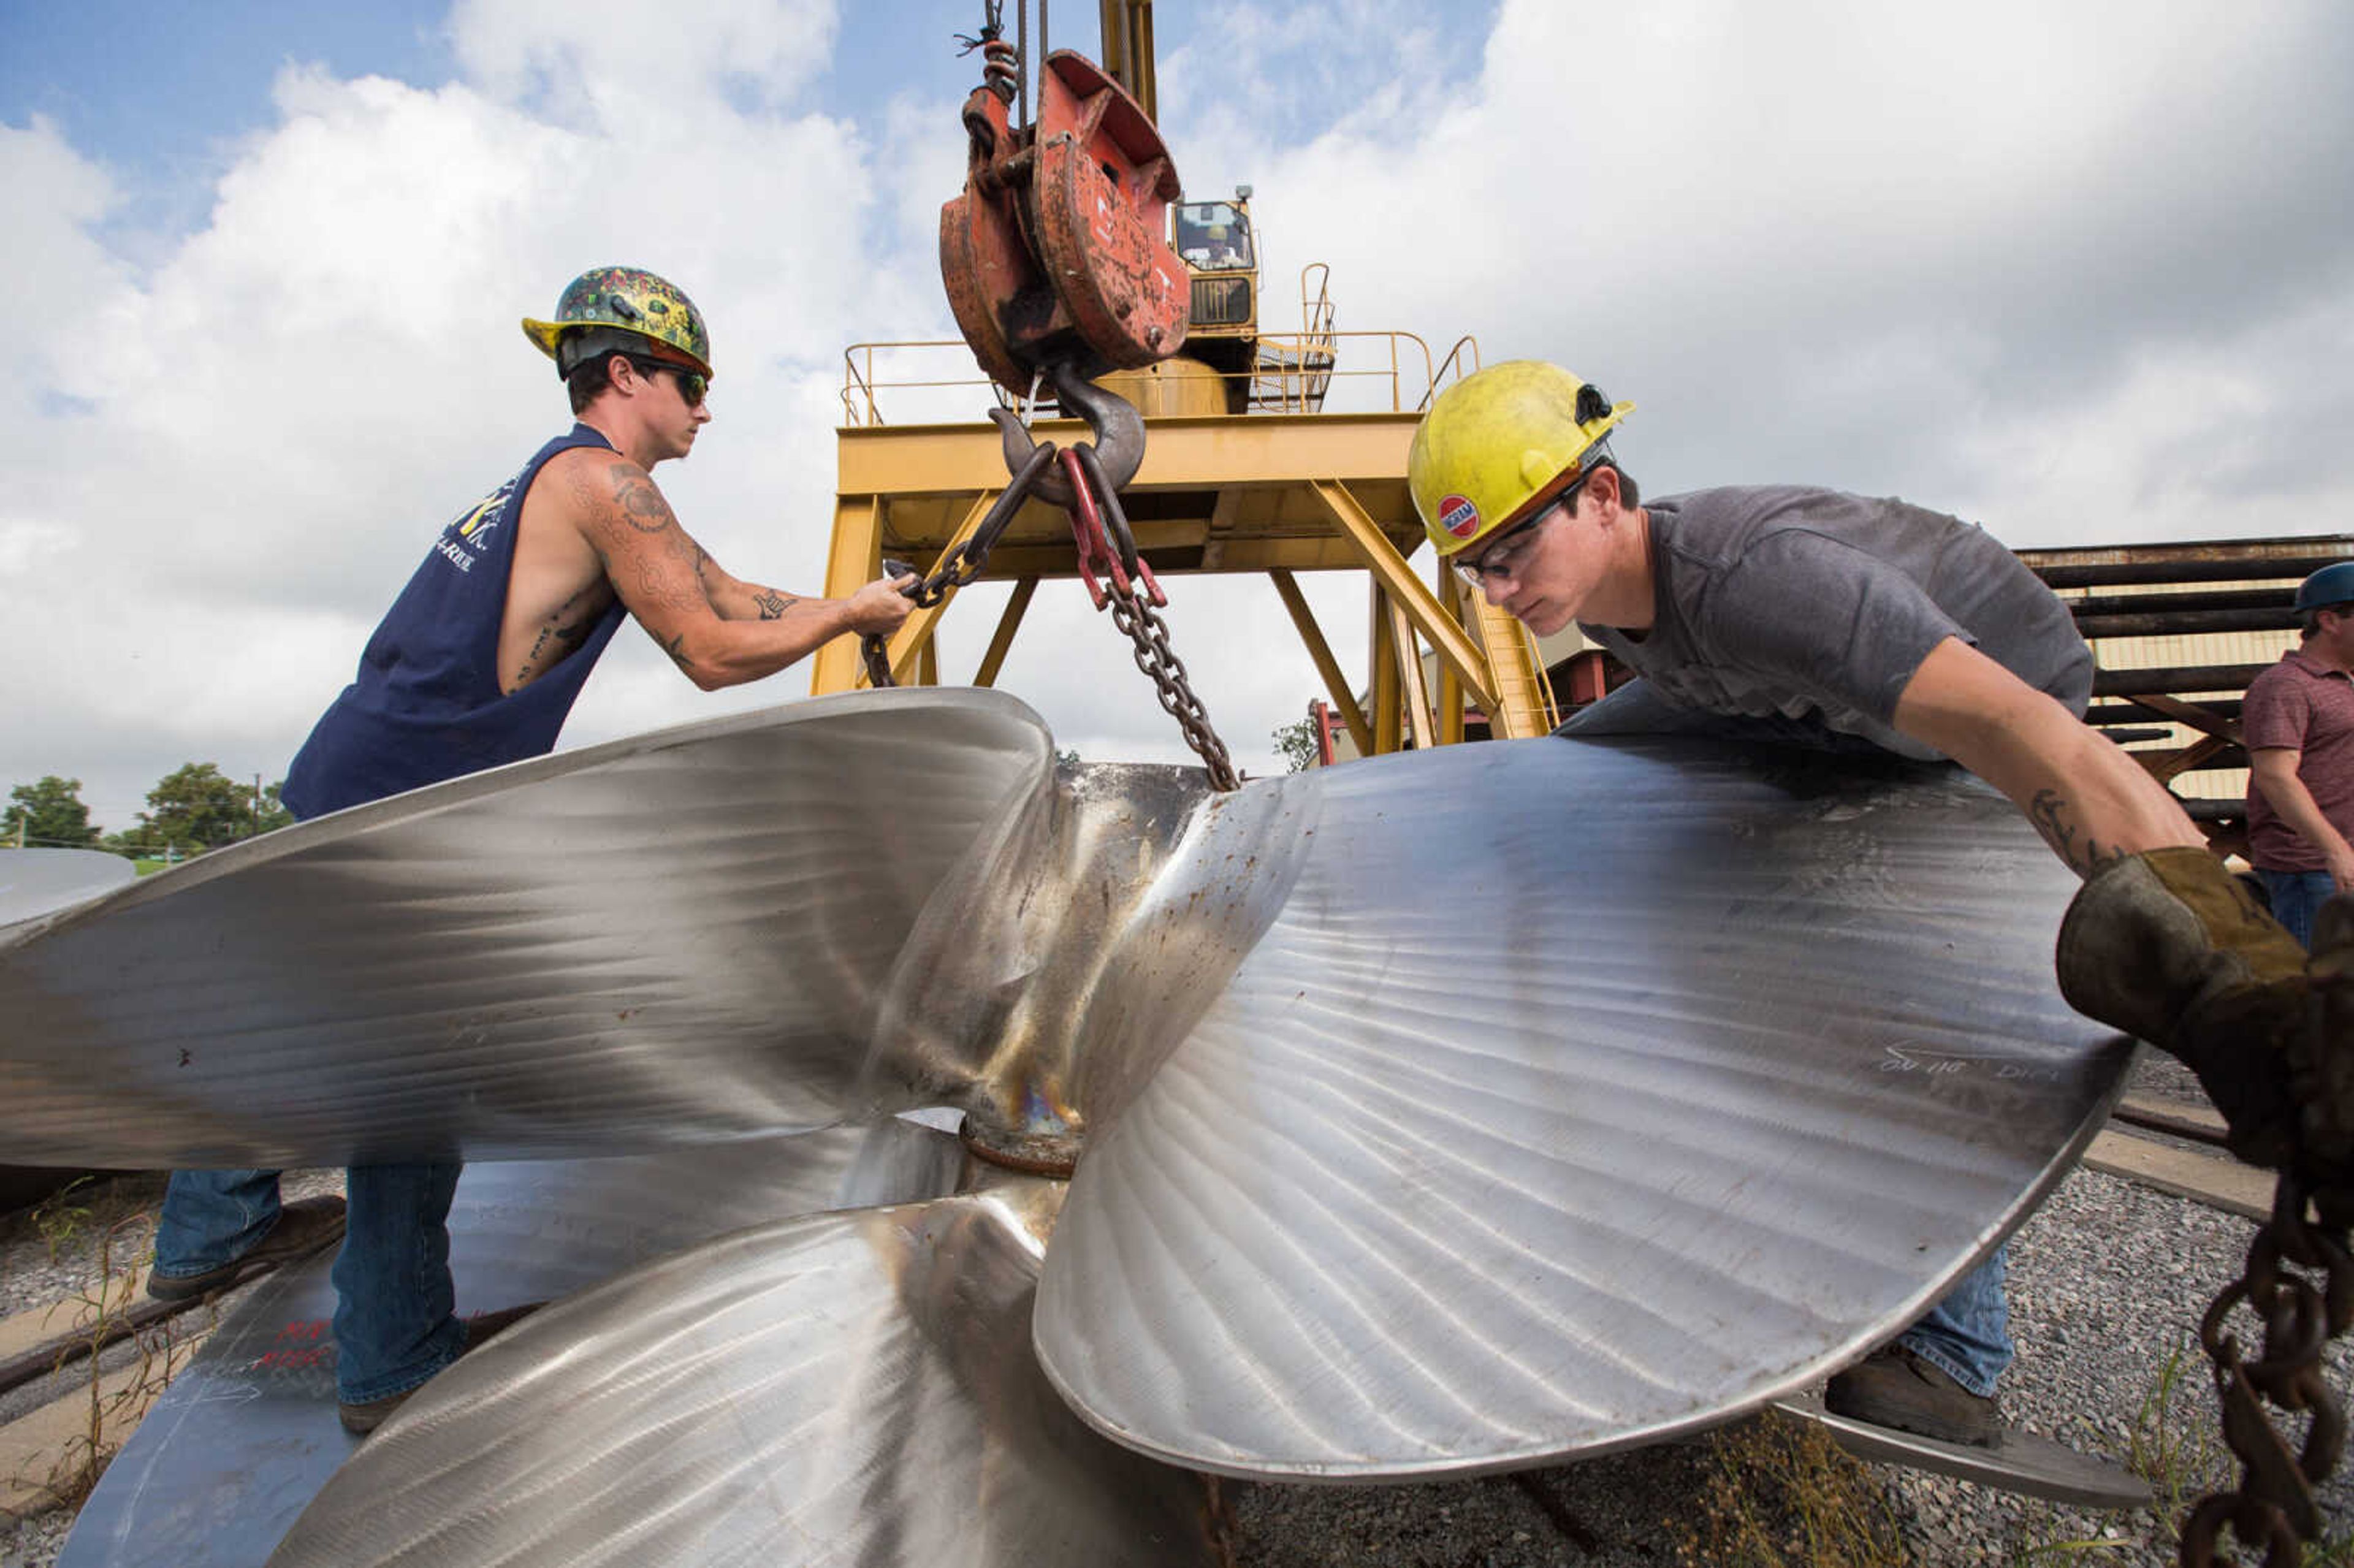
(427, 705)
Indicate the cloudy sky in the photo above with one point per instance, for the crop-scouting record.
(2084, 272)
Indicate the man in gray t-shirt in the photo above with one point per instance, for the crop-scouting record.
(1810, 604)
(1822, 618)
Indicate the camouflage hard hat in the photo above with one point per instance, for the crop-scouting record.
(606, 309)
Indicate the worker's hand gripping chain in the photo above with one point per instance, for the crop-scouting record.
(963, 564)
(2300, 1282)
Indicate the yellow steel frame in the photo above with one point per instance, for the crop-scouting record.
(1277, 495)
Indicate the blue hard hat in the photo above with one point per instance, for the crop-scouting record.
(2330, 584)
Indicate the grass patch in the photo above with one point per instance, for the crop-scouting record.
(1779, 1493)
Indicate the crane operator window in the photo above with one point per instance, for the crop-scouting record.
(1214, 237)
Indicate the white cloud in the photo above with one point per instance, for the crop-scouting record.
(2082, 271)
(617, 65)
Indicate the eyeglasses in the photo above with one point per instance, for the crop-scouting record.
(691, 387)
(1502, 560)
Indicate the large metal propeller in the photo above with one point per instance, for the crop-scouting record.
(1433, 1114)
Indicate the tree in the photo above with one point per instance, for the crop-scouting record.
(47, 814)
(197, 807)
(1295, 742)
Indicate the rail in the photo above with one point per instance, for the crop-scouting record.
(1291, 373)
(1453, 361)
(860, 383)
(1316, 314)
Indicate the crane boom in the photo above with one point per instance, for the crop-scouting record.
(1127, 49)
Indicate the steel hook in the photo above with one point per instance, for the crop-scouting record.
(1112, 419)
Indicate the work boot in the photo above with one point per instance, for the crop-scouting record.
(303, 1227)
(1894, 1388)
(2170, 947)
(364, 1417)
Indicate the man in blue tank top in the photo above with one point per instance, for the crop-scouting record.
(476, 665)
(1809, 617)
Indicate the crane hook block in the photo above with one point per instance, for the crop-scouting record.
(1055, 248)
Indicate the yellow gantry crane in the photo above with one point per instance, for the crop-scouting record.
(1244, 470)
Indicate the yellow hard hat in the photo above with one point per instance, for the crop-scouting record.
(1499, 444)
(623, 309)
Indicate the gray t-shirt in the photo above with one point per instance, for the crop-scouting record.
(1782, 599)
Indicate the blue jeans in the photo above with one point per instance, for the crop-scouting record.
(1967, 1335)
(2296, 897)
(394, 1319)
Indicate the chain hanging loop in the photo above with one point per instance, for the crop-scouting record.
(2274, 1506)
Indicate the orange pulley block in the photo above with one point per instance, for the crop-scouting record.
(1054, 251)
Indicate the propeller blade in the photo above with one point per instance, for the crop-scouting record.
(847, 1388)
(246, 1435)
(1578, 1094)
(35, 882)
(669, 940)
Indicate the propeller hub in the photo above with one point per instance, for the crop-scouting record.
(1030, 1151)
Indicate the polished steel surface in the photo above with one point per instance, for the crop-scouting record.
(34, 882)
(2023, 1462)
(246, 1434)
(847, 1388)
(1578, 1094)
(1439, 1113)
(674, 938)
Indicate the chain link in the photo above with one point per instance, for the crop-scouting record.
(1134, 615)
(961, 566)
(1100, 529)
(2300, 1283)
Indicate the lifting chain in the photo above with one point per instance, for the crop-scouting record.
(2300, 1283)
(1089, 487)
(961, 565)
(1099, 528)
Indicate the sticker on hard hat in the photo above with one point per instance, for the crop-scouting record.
(1459, 517)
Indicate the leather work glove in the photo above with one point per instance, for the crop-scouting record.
(2170, 947)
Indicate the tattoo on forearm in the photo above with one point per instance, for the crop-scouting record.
(773, 604)
(2055, 818)
(674, 648)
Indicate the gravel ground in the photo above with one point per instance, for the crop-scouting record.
(2107, 1282)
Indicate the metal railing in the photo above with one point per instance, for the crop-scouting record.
(1292, 372)
(1452, 364)
(860, 383)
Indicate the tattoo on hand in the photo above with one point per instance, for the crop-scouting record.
(773, 604)
(2051, 815)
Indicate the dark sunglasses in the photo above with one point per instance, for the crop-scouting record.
(691, 387)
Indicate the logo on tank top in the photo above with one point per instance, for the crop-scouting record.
(473, 528)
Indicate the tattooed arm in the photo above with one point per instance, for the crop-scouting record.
(732, 599)
(718, 631)
(2090, 801)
